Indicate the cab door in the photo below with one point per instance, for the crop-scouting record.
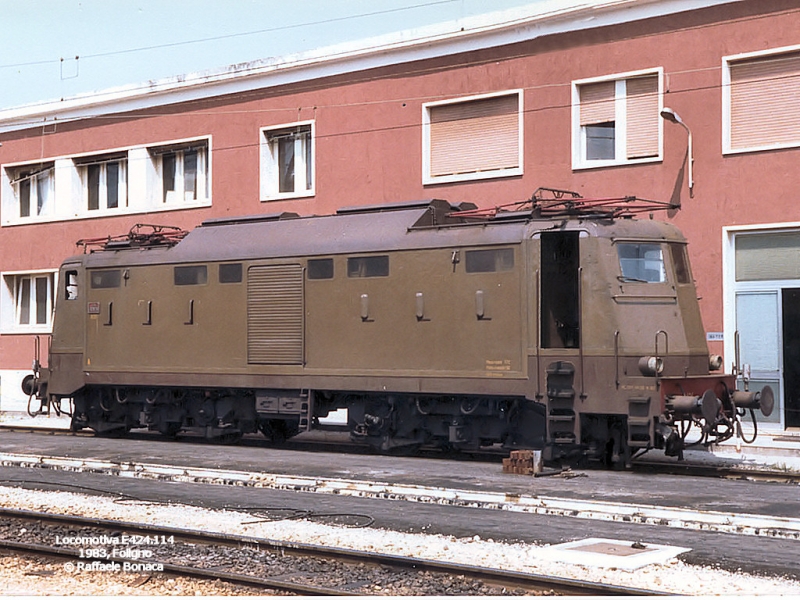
(70, 307)
(66, 349)
(560, 293)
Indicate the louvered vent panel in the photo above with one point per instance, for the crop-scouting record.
(275, 315)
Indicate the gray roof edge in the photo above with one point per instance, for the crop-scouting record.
(454, 37)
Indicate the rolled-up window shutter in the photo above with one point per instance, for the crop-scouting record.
(474, 136)
(771, 256)
(765, 101)
(597, 102)
(642, 116)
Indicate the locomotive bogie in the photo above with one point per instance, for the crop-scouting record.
(223, 414)
(427, 326)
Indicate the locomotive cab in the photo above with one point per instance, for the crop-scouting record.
(622, 349)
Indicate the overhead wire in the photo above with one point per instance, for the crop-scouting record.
(251, 66)
(417, 124)
(232, 35)
(308, 86)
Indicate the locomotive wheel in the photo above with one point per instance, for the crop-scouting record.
(404, 450)
(112, 432)
(169, 429)
(278, 430)
(407, 450)
(229, 439)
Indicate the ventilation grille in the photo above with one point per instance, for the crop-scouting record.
(275, 315)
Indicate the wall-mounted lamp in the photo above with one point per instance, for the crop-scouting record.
(670, 115)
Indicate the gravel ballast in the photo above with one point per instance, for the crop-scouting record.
(32, 576)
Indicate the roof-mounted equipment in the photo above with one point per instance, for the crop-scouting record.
(554, 203)
(141, 235)
(266, 218)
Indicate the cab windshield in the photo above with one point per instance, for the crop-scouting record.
(641, 262)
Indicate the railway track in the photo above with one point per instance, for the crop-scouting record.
(717, 471)
(685, 468)
(293, 568)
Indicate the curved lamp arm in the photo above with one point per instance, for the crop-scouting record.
(670, 115)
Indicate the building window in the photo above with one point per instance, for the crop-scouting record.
(183, 171)
(104, 181)
(287, 161)
(616, 120)
(27, 301)
(474, 138)
(34, 189)
(142, 179)
(761, 101)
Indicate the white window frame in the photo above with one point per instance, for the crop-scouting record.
(726, 100)
(427, 179)
(103, 188)
(143, 191)
(43, 171)
(10, 308)
(178, 195)
(579, 160)
(269, 170)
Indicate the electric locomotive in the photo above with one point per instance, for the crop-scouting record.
(559, 323)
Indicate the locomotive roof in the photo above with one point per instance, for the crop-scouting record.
(428, 224)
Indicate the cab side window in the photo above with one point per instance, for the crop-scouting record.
(71, 285)
(641, 262)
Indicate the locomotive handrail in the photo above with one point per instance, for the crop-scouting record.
(538, 335)
(580, 329)
(616, 358)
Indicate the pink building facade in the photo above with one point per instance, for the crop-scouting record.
(575, 98)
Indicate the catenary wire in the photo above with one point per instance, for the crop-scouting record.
(231, 35)
(338, 134)
(244, 69)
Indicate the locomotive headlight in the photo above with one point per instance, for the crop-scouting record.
(651, 365)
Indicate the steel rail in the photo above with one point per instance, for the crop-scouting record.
(687, 468)
(558, 585)
(23, 428)
(173, 569)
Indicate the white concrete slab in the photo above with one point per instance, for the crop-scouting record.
(612, 554)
